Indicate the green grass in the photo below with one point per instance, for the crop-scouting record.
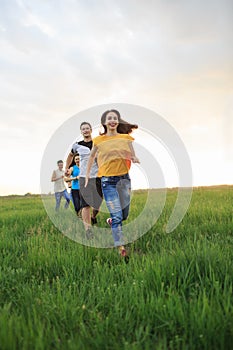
(175, 293)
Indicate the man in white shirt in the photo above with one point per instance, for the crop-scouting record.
(91, 196)
(59, 186)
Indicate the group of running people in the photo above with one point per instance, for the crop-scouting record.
(99, 168)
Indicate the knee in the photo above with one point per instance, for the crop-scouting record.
(117, 218)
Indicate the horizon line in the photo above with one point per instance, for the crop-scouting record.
(138, 189)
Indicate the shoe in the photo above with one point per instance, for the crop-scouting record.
(109, 221)
(123, 254)
(93, 221)
(89, 234)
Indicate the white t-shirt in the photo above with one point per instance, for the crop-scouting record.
(84, 153)
(59, 185)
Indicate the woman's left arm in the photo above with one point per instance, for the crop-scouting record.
(133, 156)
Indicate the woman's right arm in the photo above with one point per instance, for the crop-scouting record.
(90, 163)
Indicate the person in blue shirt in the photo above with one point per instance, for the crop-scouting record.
(74, 172)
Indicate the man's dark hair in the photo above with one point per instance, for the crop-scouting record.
(59, 161)
(83, 123)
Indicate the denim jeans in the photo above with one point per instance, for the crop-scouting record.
(59, 195)
(116, 191)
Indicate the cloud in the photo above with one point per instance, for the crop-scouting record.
(58, 58)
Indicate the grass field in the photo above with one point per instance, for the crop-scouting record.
(175, 293)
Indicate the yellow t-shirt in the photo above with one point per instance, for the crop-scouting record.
(114, 154)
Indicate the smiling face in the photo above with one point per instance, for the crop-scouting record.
(111, 121)
(60, 165)
(76, 160)
(86, 130)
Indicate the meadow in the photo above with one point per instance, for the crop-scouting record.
(175, 292)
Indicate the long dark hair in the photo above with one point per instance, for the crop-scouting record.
(123, 127)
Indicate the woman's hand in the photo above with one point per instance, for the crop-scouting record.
(135, 159)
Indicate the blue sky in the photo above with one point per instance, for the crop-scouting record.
(58, 58)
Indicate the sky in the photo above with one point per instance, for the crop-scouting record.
(58, 58)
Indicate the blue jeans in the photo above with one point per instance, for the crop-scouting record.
(59, 195)
(116, 191)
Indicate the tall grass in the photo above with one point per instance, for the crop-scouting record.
(175, 293)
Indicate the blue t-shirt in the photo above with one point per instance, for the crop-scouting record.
(75, 183)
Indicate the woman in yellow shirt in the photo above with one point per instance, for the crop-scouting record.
(115, 153)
